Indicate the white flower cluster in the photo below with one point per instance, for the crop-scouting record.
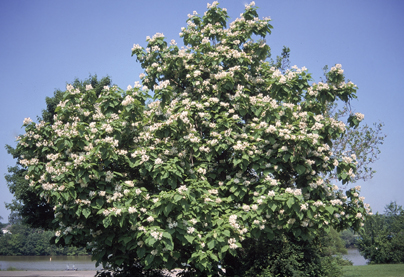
(337, 68)
(319, 203)
(232, 243)
(27, 121)
(336, 202)
(214, 4)
(359, 116)
(293, 191)
(181, 189)
(128, 100)
(172, 224)
(156, 235)
(136, 46)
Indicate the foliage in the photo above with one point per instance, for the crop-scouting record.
(382, 239)
(231, 151)
(282, 62)
(360, 141)
(25, 241)
(291, 256)
(332, 244)
(349, 238)
(27, 206)
(52, 102)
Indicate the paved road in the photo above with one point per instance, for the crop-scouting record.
(47, 273)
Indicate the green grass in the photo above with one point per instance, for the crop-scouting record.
(380, 270)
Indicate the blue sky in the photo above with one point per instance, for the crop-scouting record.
(45, 44)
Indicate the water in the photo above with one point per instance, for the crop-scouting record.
(85, 262)
(355, 257)
(47, 262)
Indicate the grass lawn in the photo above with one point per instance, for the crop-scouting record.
(380, 270)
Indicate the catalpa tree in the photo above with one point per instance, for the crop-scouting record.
(230, 149)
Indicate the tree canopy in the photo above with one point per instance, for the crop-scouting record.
(27, 205)
(21, 240)
(230, 149)
(382, 238)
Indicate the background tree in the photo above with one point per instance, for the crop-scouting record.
(230, 152)
(349, 237)
(291, 256)
(382, 240)
(25, 241)
(361, 141)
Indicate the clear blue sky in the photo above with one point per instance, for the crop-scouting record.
(45, 44)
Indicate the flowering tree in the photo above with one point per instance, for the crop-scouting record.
(230, 149)
(27, 205)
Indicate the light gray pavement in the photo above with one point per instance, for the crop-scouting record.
(47, 273)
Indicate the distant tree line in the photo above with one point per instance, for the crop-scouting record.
(21, 240)
(382, 240)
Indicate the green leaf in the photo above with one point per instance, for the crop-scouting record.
(65, 195)
(121, 220)
(177, 198)
(109, 240)
(78, 212)
(169, 244)
(140, 252)
(167, 235)
(213, 257)
(297, 232)
(86, 212)
(106, 222)
(290, 202)
(100, 202)
(119, 261)
(127, 239)
(300, 169)
(211, 244)
(150, 241)
(167, 209)
(68, 239)
(149, 259)
(330, 209)
(189, 238)
(256, 233)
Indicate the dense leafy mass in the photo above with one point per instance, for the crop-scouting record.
(292, 256)
(382, 238)
(27, 206)
(21, 240)
(231, 149)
